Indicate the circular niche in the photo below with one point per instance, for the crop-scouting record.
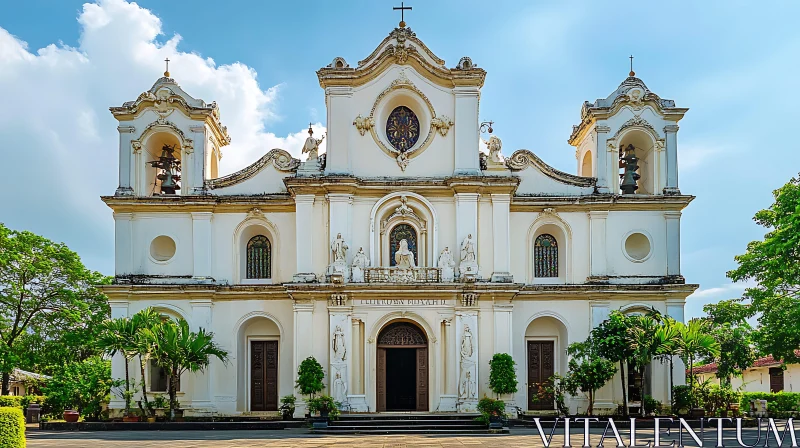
(402, 128)
(162, 248)
(637, 246)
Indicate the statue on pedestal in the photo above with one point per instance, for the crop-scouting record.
(469, 263)
(360, 262)
(339, 349)
(446, 264)
(339, 248)
(311, 146)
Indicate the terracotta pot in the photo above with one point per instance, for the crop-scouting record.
(130, 419)
(71, 416)
(151, 419)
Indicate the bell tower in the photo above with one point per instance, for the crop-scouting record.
(170, 142)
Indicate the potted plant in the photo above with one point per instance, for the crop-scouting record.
(502, 376)
(287, 407)
(492, 412)
(327, 408)
(309, 379)
(71, 416)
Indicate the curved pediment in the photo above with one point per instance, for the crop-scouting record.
(401, 47)
(523, 159)
(280, 159)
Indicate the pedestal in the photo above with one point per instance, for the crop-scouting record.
(309, 168)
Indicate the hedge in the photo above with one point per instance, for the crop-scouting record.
(17, 401)
(12, 428)
(779, 404)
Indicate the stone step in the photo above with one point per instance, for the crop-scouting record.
(410, 430)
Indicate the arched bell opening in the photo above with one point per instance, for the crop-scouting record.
(640, 144)
(161, 165)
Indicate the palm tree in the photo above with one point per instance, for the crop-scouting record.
(118, 336)
(644, 343)
(668, 345)
(145, 320)
(695, 342)
(179, 350)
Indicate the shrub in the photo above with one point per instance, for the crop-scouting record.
(780, 404)
(28, 399)
(11, 401)
(682, 399)
(502, 377)
(716, 398)
(83, 386)
(12, 428)
(322, 403)
(651, 405)
(310, 376)
(489, 407)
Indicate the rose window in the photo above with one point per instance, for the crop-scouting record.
(402, 128)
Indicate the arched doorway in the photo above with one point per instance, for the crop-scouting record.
(402, 370)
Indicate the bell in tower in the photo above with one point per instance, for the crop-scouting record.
(169, 170)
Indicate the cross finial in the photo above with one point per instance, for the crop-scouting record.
(310, 131)
(632, 73)
(166, 72)
(402, 8)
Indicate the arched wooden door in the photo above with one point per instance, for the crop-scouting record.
(402, 368)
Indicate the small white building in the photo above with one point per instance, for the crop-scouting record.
(765, 375)
(409, 253)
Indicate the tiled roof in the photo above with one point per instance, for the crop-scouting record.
(760, 362)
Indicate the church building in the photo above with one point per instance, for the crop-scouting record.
(409, 253)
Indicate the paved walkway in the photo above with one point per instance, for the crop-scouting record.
(300, 438)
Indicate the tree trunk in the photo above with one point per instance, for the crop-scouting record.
(671, 380)
(590, 409)
(644, 381)
(6, 381)
(127, 389)
(144, 387)
(173, 388)
(622, 365)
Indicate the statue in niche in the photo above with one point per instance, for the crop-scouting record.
(339, 249)
(466, 344)
(339, 388)
(360, 262)
(404, 257)
(339, 349)
(466, 387)
(311, 146)
(446, 264)
(468, 250)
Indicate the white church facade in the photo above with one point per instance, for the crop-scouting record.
(405, 256)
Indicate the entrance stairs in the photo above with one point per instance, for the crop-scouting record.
(408, 423)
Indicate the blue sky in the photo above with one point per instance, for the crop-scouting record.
(734, 64)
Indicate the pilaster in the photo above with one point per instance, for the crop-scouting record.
(304, 238)
(201, 244)
(119, 309)
(340, 349)
(597, 243)
(602, 158)
(467, 338)
(337, 160)
(125, 156)
(448, 399)
(671, 133)
(675, 310)
(123, 240)
(501, 214)
(467, 221)
(673, 225)
(201, 390)
(197, 152)
(303, 343)
(467, 159)
(356, 396)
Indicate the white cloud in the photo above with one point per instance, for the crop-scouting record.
(723, 292)
(59, 142)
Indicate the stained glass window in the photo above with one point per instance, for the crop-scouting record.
(402, 232)
(259, 257)
(402, 128)
(545, 256)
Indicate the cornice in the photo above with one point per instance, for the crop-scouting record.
(281, 160)
(522, 159)
(601, 202)
(276, 203)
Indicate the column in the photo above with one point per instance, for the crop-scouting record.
(339, 126)
(467, 222)
(448, 397)
(502, 242)
(340, 349)
(601, 161)
(675, 310)
(671, 132)
(197, 163)
(303, 343)
(119, 308)
(466, 131)
(467, 345)
(125, 156)
(123, 240)
(201, 390)
(201, 244)
(304, 237)
(673, 225)
(597, 242)
(503, 340)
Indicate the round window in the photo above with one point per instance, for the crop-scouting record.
(402, 128)
(637, 246)
(162, 248)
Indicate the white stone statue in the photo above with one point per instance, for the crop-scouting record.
(311, 146)
(494, 145)
(446, 264)
(466, 387)
(339, 349)
(339, 248)
(404, 257)
(339, 388)
(360, 262)
(467, 250)
(466, 344)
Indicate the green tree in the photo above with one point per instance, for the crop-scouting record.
(668, 346)
(178, 349)
(774, 265)
(310, 376)
(695, 343)
(145, 321)
(645, 344)
(83, 386)
(588, 371)
(502, 375)
(42, 287)
(613, 343)
(119, 336)
(734, 334)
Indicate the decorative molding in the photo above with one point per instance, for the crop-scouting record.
(364, 124)
(282, 160)
(402, 333)
(404, 213)
(469, 299)
(465, 63)
(523, 158)
(549, 211)
(637, 122)
(671, 128)
(338, 299)
(126, 129)
(442, 124)
(136, 146)
(338, 62)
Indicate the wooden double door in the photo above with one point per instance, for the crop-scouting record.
(402, 369)
(541, 361)
(263, 375)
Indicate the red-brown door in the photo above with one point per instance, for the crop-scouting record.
(422, 379)
(264, 375)
(540, 369)
(381, 373)
(775, 379)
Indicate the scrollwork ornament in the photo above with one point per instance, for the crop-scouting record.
(442, 124)
(363, 124)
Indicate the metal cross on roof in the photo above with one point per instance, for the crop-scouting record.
(402, 8)
(166, 72)
(632, 73)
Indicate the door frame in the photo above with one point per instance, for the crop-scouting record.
(249, 368)
(556, 361)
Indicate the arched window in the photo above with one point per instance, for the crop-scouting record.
(545, 256)
(259, 257)
(402, 232)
